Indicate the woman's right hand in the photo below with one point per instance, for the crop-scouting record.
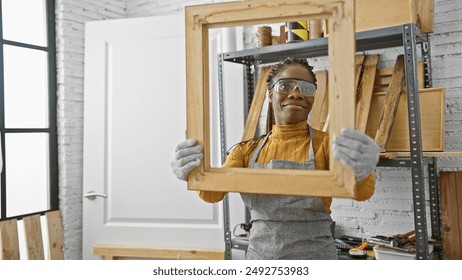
(188, 155)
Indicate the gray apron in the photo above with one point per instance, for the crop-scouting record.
(288, 227)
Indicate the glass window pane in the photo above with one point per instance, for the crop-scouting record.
(27, 173)
(26, 88)
(24, 21)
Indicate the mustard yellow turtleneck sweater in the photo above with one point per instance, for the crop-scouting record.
(288, 142)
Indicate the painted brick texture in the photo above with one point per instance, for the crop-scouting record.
(71, 16)
(140, 8)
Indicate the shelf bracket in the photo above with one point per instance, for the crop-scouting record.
(434, 200)
(249, 87)
(426, 57)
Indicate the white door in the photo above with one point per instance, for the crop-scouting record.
(135, 114)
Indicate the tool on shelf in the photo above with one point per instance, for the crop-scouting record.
(245, 227)
(359, 252)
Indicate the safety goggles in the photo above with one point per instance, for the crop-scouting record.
(288, 85)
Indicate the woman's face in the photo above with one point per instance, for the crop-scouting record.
(290, 106)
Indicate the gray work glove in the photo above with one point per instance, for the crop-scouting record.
(357, 151)
(188, 155)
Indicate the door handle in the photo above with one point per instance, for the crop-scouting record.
(92, 195)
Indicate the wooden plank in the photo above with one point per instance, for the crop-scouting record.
(432, 115)
(450, 216)
(394, 13)
(320, 181)
(33, 234)
(319, 115)
(251, 123)
(389, 155)
(342, 80)
(446, 181)
(373, 14)
(120, 251)
(383, 78)
(55, 235)
(365, 91)
(196, 81)
(359, 61)
(9, 244)
(425, 15)
(320, 108)
(391, 104)
(459, 208)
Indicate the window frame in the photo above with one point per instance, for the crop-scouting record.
(338, 181)
(50, 49)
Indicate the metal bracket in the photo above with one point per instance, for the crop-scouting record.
(426, 56)
(434, 200)
(249, 88)
(227, 229)
(395, 163)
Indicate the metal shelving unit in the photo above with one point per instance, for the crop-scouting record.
(407, 36)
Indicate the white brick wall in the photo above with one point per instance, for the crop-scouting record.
(141, 8)
(70, 18)
(388, 212)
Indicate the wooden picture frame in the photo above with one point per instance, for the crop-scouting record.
(338, 181)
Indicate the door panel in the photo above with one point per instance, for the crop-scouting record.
(135, 114)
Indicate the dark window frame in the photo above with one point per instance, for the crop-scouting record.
(52, 114)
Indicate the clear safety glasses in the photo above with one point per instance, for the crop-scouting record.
(288, 85)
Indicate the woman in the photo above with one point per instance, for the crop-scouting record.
(290, 227)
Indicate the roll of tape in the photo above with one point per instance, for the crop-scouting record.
(264, 36)
(315, 28)
(296, 31)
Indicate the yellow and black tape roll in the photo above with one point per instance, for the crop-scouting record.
(296, 31)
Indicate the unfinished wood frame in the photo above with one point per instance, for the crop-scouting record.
(338, 181)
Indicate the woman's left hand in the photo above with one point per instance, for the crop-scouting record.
(357, 151)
